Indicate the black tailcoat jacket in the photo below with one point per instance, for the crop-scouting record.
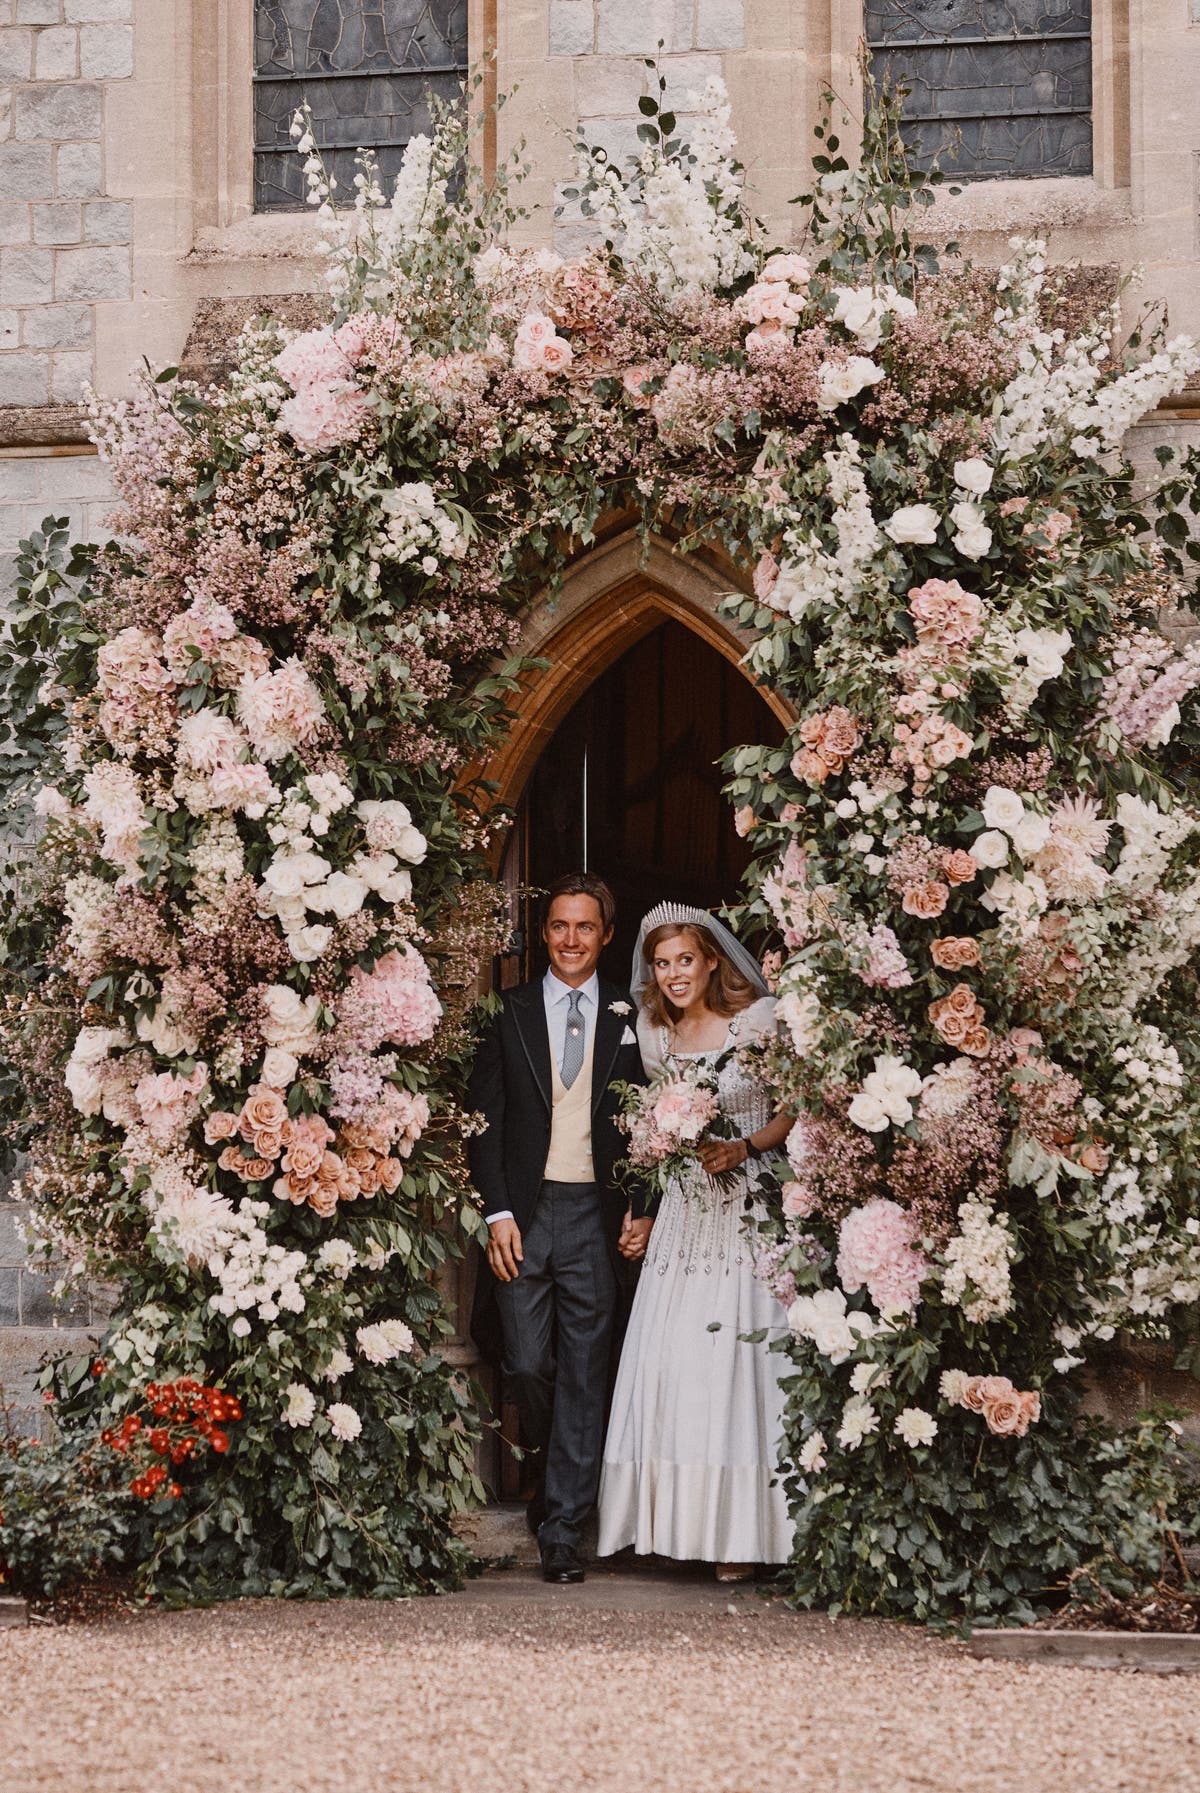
(511, 1086)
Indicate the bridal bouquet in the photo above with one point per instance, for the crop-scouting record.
(668, 1119)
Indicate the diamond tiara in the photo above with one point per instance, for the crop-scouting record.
(679, 912)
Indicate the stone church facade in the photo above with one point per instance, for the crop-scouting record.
(149, 199)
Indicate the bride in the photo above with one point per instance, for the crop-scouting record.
(697, 1414)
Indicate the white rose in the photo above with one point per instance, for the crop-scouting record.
(279, 1067)
(913, 523)
(307, 944)
(241, 1327)
(1002, 808)
(973, 537)
(373, 868)
(341, 895)
(973, 475)
(285, 876)
(290, 1019)
(801, 1015)
(1031, 834)
(1045, 650)
(868, 1112)
(990, 850)
(397, 888)
(411, 845)
(846, 807)
(862, 312)
(840, 381)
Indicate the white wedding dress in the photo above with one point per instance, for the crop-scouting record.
(691, 1456)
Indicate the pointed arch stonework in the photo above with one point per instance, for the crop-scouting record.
(609, 599)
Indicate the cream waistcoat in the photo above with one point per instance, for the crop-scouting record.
(570, 1158)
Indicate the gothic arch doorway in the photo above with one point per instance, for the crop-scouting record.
(628, 783)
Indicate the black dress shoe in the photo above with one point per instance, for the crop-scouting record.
(560, 1562)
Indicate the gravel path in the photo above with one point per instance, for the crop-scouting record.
(513, 1688)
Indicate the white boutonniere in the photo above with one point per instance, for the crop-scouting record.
(619, 1008)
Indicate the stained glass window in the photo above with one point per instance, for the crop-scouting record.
(366, 68)
(995, 87)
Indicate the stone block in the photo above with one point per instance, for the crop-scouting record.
(58, 327)
(108, 221)
(10, 1296)
(609, 86)
(617, 136)
(26, 170)
(12, 1244)
(68, 377)
(16, 54)
(85, 11)
(572, 27)
(26, 276)
(91, 274)
(635, 27)
(39, 1307)
(38, 12)
(10, 329)
(720, 25)
(24, 378)
(57, 222)
(105, 52)
(80, 172)
(56, 54)
(14, 223)
(687, 77)
(58, 112)
(13, 1611)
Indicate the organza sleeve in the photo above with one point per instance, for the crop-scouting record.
(650, 1044)
(758, 1021)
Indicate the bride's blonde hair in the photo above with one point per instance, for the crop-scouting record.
(729, 990)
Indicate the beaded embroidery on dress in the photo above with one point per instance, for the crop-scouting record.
(697, 1415)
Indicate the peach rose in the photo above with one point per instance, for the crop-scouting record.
(1094, 1157)
(977, 1042)
(1024, 1042)
(925, 901)
(264, 1111)
(959, 866)
(390, 1172)
(744, 820)
(293, 1188)
(810, 766)
(368, 1177)
(632, 381)
(323, 1201)
(766, 574)
(1031, 1410)
(556, 356)
(1003, 1415)
(268, 1142)
(982, 1389)
(220, 1124)
(957, 952)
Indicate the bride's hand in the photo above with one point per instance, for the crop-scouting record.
(635, 1236)
(720, 1155)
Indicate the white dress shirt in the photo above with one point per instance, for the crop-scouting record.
(557, 997)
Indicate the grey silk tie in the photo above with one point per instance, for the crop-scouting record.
(572, 1058)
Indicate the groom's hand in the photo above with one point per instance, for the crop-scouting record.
(635, 1236)
(504, 1249)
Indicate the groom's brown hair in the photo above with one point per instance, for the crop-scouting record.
(583, 884)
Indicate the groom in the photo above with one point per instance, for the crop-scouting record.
(544, 1167)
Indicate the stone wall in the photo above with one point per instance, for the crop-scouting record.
(64, 242)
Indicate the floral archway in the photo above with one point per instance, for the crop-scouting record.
(259, 902)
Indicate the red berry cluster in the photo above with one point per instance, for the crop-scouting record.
(178, 1418)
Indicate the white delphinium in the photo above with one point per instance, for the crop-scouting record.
(385, 1340)
(1151, 835)
(1117, 406)
(859, 1420)
(300, 1405)
(979, 1260)
(858, 535)
(344, 1421)
(916, 1427)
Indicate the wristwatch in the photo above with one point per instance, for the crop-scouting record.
(752, 1151)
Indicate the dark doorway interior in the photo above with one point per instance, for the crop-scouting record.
(630, 787)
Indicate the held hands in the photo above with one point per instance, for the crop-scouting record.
(635, 1236)
(505, 1252)
(720, 1155)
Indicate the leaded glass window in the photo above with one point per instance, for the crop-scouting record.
(366, 68)
(995, 87)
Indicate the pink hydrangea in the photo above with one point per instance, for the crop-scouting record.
(130, 664)
(316, 358)
(114, 804)
(886, 967)
(395, 1004)
(323, 417)
(876, 1250)
(281, 710)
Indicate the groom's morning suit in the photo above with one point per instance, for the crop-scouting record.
(541, 1079)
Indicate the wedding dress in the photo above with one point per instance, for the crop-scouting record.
(697, 1416)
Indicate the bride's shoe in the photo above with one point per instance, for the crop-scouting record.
(735, 1571)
